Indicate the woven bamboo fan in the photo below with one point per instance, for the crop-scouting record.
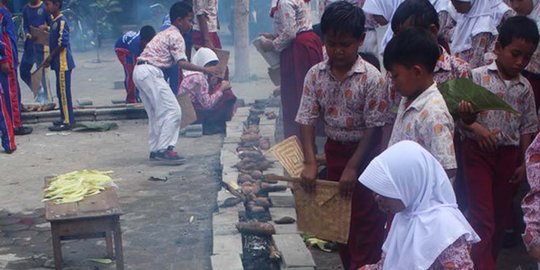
(290, 156)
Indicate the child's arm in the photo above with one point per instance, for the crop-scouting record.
(63, 42)
(202, 18)
(520, 173)
(26, 24)
(349, 177)
(307, 116)
(285, 14)
(185, 64)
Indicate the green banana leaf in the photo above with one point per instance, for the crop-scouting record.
(456, 90)
(95, 127)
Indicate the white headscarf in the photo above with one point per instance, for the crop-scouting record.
(480, 19)
(387, 8)
(201, 57)
(431, 221)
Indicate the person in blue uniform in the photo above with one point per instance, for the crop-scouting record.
(6, 127)
(128, 48)
(61, 61)
(8, 74)
(35, 15)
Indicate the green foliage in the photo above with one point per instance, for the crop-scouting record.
(103, 11)
(456, 90)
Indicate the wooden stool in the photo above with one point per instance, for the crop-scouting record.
(96, 216)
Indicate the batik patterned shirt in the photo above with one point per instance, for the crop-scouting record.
(346, 107)
(427, 121)
(197, 85)
(208, 8)
(165, 49)
(531, 202)
(518, 94)
(291, 17)
(448, 67)
(455, 257)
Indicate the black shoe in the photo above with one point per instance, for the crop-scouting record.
(153, 156)
(169, 157)
(58, 123)
(10, 151)
(23, 131)
(62, 127)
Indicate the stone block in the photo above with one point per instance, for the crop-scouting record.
(282, 199)
(227, 262)
(286, 228)
(235, 140)
(223, 194)
(224, 223)
(293, 250)
(231, 176)
(243, 111)
(299, 268)
(227, 244)
(279, 212)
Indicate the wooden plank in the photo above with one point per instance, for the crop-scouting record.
(102, 204)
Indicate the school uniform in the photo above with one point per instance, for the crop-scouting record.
(128, 48)
(429, 232)
(9, 81)
(34, 54)
(6, 126)
(174, 74)
(164, 114)
(213, 108)
(486, 175)
(62, 65)
(531, 202)
(426, 120)
(532, 71)
(209, 9)
(300, 48)
(347, 108)
(475, 33)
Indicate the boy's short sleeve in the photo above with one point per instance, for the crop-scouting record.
(529, 119)
(63, 37)
(377, 102)
(177, 47)
(309, 110)
(436, 134)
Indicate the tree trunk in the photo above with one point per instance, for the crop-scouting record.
(241, 40)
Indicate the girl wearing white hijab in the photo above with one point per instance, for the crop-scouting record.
(212, 98)
(383, 11)
(476, 32)
(428, 230)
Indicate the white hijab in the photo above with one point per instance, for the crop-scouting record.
(387, 8)
(431, 221)
(482, 18)
(201, 57)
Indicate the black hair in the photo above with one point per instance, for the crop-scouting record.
(518, 27)
(59, 2)
(343, 17)
(412, 47)
(421, 12)
(371, 58)
(180, 10)
(147, 33)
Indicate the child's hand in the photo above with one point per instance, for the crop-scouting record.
(267, 45)
(467, 114)
(487, 140)
(208, 44)
(225, 85)
(519, 175)
(347, 182)
(213, 70)
(268, 36)
(5, 68)
(535, 253)
(29, 36)
(309, 175)
(47, 62)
